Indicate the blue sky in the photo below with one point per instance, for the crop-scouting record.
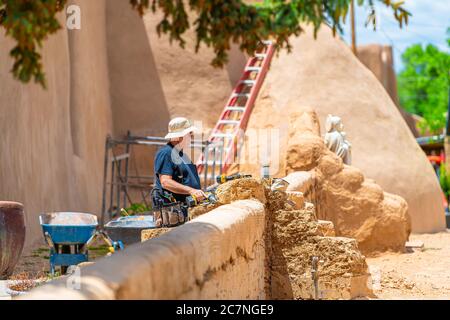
(428, 24)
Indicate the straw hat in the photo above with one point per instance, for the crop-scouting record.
(179, 127)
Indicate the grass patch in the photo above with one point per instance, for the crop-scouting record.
(98, 251)
(41, 250)
(102, 247)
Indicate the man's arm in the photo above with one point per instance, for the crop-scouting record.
(169, 184)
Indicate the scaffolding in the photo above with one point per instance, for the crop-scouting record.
(119, 184)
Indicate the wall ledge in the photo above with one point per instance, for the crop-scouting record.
(219, 255)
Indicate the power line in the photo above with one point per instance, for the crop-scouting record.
(414, 32)
(411, 23)
(391, 41)
(431, 26)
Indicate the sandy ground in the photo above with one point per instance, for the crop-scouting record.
(417, 274)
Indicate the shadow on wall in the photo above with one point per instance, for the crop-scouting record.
(137, 97)
(280, 283)
(138, 102)
(236, 64)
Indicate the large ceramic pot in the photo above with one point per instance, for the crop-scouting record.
(12, 236)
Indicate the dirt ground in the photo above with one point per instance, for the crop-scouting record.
(35, 260)
(417, 274)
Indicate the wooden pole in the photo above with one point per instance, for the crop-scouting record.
(352, 13)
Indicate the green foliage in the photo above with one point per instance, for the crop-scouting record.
(444, 179)
(217, 23)
(135, 209)
(424, 85)
(29, 22)
(98, 251)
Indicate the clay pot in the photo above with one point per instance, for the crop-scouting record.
(12, 236)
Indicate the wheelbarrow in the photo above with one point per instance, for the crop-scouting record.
(128, 229)
(68, 234)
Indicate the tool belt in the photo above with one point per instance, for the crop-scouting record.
(167, 211)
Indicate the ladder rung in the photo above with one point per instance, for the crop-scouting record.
(218, 153)
(247, 95)
(260, 55)
(229, 122)
(267, 42)
(233, 108)
(223, 135)
(248, 82)
(252, 69)
(119, 158)
(211, 162)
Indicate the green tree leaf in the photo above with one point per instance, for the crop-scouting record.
(424, 85)
(217, 23)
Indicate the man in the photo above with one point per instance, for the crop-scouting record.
(176, 175)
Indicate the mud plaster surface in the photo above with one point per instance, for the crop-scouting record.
(293, 237)
(321, 76)
(296, 238)
(153, 233)
(226, 193)
(358, 207)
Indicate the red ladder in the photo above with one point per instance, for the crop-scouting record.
(232, 123)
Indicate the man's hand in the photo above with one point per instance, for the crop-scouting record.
(169, 184)
(198, 194)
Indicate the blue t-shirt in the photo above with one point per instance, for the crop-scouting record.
(172, 162)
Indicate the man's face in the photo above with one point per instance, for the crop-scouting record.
(186, 142)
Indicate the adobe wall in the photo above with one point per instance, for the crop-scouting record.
(116, 74)
(219, 255)
(113, 75)
(53, 140)
(259, 247)
(153, 81)
(322, 74)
